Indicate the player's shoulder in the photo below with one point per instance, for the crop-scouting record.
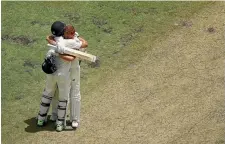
(73, 43)
(74, 40)
(60, 38)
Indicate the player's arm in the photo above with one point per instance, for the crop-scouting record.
(67, 57)
(84, 42)
(50, 40)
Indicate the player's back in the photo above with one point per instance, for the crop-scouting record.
(63, 66)
(74, 43)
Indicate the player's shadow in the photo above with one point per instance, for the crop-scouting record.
(33, 128)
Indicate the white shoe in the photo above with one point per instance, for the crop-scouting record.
(75, 124)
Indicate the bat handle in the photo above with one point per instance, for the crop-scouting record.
(51, 45)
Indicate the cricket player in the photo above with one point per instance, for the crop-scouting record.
(72, 40)
(57, 79)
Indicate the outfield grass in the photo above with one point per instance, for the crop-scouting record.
(115, 32)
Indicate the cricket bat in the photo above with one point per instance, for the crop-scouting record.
(79, 54)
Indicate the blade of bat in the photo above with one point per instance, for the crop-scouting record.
(80, 54)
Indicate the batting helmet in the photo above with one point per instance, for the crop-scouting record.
(57, 28)
(49, 66)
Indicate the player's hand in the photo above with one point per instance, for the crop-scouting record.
(83, 49)
(59, 48)
(67, 57)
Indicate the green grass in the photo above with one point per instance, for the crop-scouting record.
(115, 32)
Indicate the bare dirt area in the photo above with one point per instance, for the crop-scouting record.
(18, 39)
(173, 95)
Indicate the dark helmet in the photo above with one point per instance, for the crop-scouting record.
(49, 66)
(57, 28)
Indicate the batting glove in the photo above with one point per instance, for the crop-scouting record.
(59, 49)
(76, 34)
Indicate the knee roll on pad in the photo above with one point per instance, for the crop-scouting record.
(45, 101)
(62, 104)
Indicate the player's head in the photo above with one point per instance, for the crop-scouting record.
(57, 28)
(69, 32)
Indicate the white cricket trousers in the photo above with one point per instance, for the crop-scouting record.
(54, 81)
